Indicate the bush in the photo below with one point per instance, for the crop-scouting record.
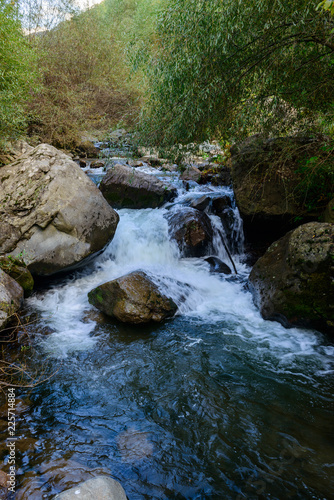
(17, 72)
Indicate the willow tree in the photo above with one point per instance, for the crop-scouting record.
(238, 66)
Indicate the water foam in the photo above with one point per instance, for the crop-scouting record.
(142, 242)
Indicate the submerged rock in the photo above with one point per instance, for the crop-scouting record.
(98, 488)
(134, 445)
(11, 297)
(217, 266)
(132, 298)
(294, 281)
(201, 203)
(17, 270)
(192, 231)
(52, 215)
(126, 187)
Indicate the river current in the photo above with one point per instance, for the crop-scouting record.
(214, 404)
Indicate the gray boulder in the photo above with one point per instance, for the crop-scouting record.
(126, 187)
(11, 297)
(192, 231)
(132, 298)
(52, 215)
(294, 281)
(98, 488)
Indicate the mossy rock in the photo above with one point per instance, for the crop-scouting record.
(294, 281)
(17, 270)
(132, 298)
(11, 297)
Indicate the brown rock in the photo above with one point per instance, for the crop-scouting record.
(132, 298)
(191, 173)
(126, 187)
(192, 231)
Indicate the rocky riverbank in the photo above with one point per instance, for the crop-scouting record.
(54, 219)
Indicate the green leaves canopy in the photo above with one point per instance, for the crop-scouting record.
(238, 66)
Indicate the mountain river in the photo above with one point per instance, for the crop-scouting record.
(214, 404)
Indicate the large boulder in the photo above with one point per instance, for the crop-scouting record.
(192, 231)
(132, 298)
(98, 488)
(272, 183)
(125, 187)
(11, 297)
(294, 281)
(52, 215)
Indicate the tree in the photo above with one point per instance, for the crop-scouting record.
(238, 66)
(17, 73)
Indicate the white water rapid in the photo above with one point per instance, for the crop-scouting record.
(142, 243)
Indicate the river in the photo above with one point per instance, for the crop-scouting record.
(214, 404)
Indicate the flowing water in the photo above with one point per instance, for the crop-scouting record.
(214, 404)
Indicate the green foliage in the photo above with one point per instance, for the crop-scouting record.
(17, 72)
(316, 174)
(86, 75)
(327, 5)
(237, 67)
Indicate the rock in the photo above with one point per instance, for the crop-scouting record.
(266, 174)
(294, 281)
(201, 203)
(135, 163)
(329, 212)
(220, 204)
(17, 270)
(217, 175)
(52, 215)
(97, 164)
(11, 297)
(192, 231)
(98, 488)
(217, 266)
(20, 147)
(132, 298)
(115, 161)
(127, 188)
(170, 167)
(82, 163)
(134, 445)
(191, 173)
(118, 134)
(154, 160)
(88, 149)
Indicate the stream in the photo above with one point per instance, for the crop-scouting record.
(214, 404)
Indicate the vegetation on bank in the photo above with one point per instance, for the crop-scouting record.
(176, 71)
(17, 72)
(195, 69)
